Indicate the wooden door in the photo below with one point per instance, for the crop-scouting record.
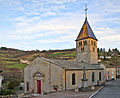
(39, 86)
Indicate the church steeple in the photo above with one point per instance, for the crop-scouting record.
(86, 31)
(86, 44)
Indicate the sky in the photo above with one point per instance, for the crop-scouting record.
(55, 24)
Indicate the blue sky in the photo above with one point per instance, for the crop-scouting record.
(55, 24)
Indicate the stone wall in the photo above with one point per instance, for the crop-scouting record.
(87, 52)
(79, 76)
(52, 76)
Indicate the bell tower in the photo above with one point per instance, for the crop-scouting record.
(86, 44)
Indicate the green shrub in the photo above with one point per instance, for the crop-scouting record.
(13, 84)
(7, 92)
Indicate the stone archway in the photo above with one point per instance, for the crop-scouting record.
(38, 82)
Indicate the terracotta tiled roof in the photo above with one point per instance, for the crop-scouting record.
(86, 32)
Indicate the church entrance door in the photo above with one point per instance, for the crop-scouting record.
(39, 86)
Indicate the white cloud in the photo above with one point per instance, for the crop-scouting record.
(21, 37)
(60, 39)
(105, 31)
(111, 38)
(35, 19)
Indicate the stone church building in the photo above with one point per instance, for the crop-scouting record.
(47, 75)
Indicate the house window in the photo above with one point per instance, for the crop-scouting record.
(73, 79)
(93, 77)
(112, 72)
(112, 77)
(27, 83)
(108, 77)
(108, 72)
(99, 75)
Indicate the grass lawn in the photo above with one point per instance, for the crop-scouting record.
(18, 66)
(10, 62)
(72, 54)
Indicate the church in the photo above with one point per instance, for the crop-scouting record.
(44, 75)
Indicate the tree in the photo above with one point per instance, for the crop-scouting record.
(109, 50)
(37, 50)
(3, 48)
(101, 49)
(115, 51)
(98, 52)
(104, 53)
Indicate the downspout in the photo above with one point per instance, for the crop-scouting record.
(50, 75)
(65, 79)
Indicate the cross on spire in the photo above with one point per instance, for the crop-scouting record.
(86, 11)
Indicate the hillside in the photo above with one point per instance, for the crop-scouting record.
(13, 61)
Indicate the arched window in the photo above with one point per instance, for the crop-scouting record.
(27, 84)
(99, 75)
(81, 43)
(85, 42)
(108, 72)
(73, 79)
(93, 76)
(94, 43)
(91, 42)
(93, 49)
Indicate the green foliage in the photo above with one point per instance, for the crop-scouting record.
(13, 84)
(56, 54)
(18, 66)
(72, 54)
(1, 55)
(37, 50)
(44, 51)
(98, 50)
(3, 48)
(109, 50)
(7, 92)
(9, 59)
(10, 62)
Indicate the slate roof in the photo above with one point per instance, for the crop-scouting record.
(73, 64)
(86, 32)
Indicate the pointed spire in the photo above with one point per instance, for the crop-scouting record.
(86, 11)
(86, 31)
